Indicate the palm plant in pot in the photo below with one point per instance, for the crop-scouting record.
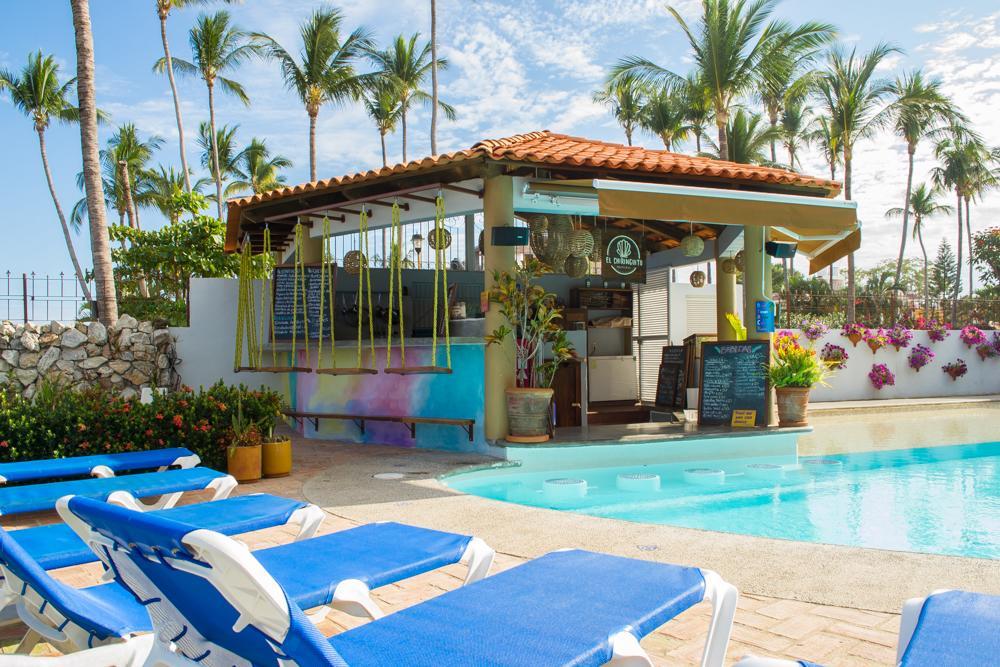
(540, 347)
(794, 370)
(243, 453)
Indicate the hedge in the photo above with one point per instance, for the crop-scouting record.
(60, 421)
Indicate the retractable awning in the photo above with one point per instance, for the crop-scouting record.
(825, 229)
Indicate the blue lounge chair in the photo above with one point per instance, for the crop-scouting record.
(98, 465)
(944, 629)
(212, 601)
(169, 484)
(56, 545)
(335, 570)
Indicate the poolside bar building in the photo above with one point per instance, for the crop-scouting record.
(659, 198)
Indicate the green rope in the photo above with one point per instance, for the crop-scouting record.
(395, 269)
(439, 265)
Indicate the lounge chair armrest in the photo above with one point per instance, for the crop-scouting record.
(102, 471)
(189, 461)
(309, 519)
(478, 557)
(723, 596)
(908, 621)
(626, 652)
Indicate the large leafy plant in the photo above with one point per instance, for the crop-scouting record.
(533, 319)
(793, 365)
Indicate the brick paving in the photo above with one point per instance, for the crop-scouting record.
(834, 636)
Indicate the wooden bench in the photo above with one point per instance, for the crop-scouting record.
(359, 420)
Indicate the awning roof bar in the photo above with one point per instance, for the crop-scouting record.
(360, 200)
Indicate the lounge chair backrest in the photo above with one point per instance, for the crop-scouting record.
(203, 591)
(53, 604)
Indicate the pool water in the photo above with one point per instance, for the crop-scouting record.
(937, 500)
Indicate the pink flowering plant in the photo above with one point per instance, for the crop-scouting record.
(785, 337)
(972, 335)
(834, 356)
(900, 337)
(880, 376)
(813, 330)
(920, 356)
(955, 369)
(876, 338)
(854, 331)
(937, 331)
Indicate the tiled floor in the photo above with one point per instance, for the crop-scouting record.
(764, 626)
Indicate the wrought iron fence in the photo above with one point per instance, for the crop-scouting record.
(33, 297)
(887, 310)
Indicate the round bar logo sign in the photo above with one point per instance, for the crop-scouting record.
(623, 258)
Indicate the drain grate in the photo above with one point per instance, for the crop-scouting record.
(388, 475)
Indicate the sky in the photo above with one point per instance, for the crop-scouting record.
(513, 67)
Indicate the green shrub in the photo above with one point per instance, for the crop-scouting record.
(62, 422)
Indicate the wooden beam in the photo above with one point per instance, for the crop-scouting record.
(428, 200)
(404, 206)
(458, 188)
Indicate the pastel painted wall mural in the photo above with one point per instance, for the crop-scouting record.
(455, 396)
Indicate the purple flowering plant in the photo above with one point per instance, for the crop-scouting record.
(834, 355)
(920, 356)
(813, 330)
(972, 335)
(955, 369)
(900, 336)
(880, 376)
(937, 331)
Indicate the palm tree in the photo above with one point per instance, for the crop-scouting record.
(984, 175)
(729, 46)
(407, 67)
(164, 189)
(664, 114)
(854, 100)
(795, 130)
(923, 205)
(100, 245)
(749, 137)
(325, 69)
(38, 94)
(382, 105)
(625, 96)
(256, 170)
(918, 112)
(434, 78)
(222, 145)
(699, 107)
(826, 138)
(217, 46)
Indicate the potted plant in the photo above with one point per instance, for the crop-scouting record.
(793, 371)
(854, 332)
(243, 453)
(955, 369)
(920, 356)
(937, 331)
(533, 318)
(276, 455)
(972, 335)
(876, 339)
(881, 376)
(814, 329)
(900, 337)
(835, 356)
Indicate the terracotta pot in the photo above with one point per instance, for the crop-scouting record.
(528, 414)
(854, 338)
(276, 458)
(874, 346)
(244, 463)
(793, 406)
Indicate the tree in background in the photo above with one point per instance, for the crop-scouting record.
(221, 146)
(107, 301)
(407, 65)
(324, 72)
(923, 205)
(699, 106)
(163, 188)
(984, 175)
(986, 256)
(729, 44)
(944, 272)
(919, 111)
(381, 102)
(624, 96)
(749, 138)
(434, 79)
(664, 115)
(854, 101)
(39, 95)
(217, 46)
(256, 170)
(795, 130)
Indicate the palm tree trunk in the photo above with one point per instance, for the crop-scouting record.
(911, 149)
(385, 155)
(100, 246)
(851, 290)
(628, 134)
(773, 118)
(177, 100)
(434, 78)
(723, 138)
(216, 167)
(923, 251)
(697, 142)
(312, 145)
(968, 240)
(403, 127)
(958, 273)
(62, 219)
(133, 220)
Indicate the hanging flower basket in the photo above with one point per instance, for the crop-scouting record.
(881, 376)
(920, 356)
(955, 369)
(937, 331)
(972, 336)
(834, 356)
(814, 330)
(900, 337)
(854, 332)
(876, 339)
(986, 351)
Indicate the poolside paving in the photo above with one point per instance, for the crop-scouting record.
(765, 625)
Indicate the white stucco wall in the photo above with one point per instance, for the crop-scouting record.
(205, 348)
(851, 383)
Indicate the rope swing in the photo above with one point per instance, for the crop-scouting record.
(440, 269)
(363, 294)
(246, 316)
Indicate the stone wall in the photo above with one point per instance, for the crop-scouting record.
(129, 356)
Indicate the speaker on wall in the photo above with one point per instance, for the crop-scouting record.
(509, 236)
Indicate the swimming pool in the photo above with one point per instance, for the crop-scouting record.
(937, 500)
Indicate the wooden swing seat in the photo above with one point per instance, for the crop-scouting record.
(419, 370)
(346, 371)
(275, 369)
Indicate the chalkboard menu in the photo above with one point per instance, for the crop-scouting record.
(283, 291)
(733, 379)
(670, 382)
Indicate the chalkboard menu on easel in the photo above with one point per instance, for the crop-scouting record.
(733, 378)
(283, 293)
(670, 384)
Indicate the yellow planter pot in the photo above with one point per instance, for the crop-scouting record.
(276, 458)
(244, 463)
